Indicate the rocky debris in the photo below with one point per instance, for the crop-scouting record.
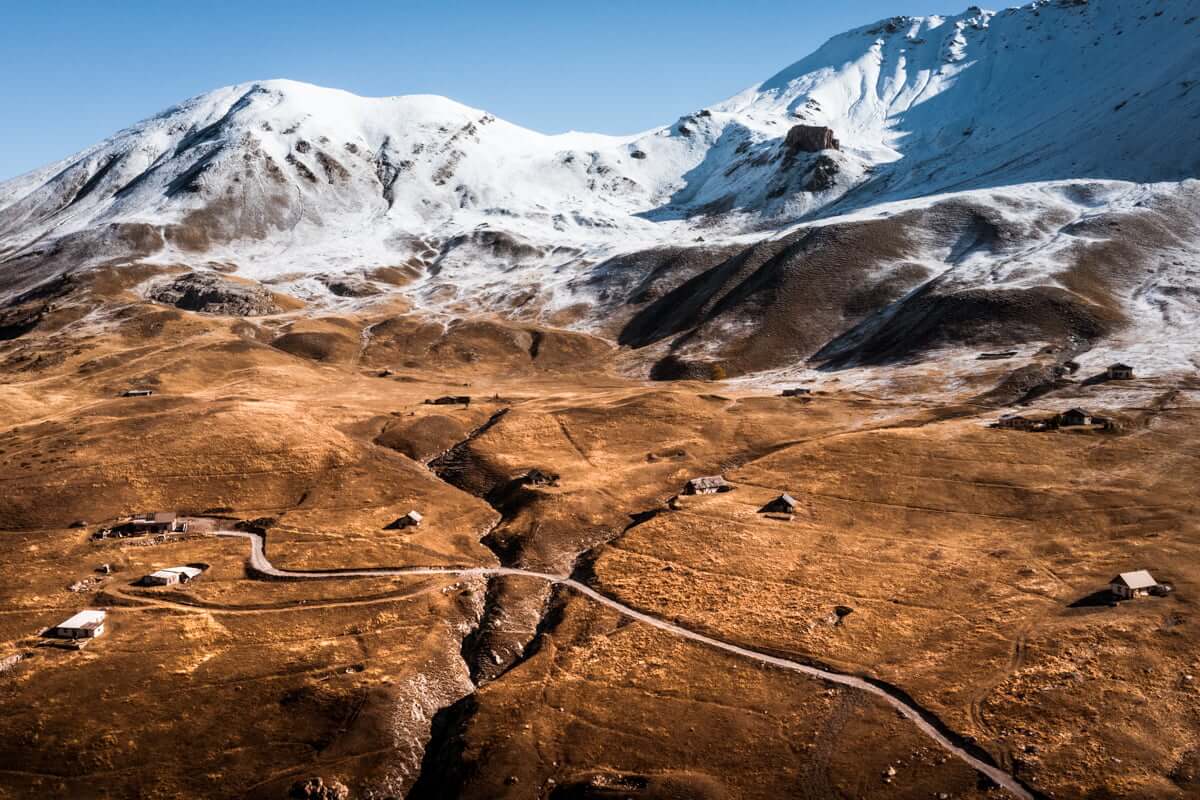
(257, 525)
(1025, 383)
(348, 285)
(86, 584)
(822, 174)
(318, 789)
(209, 293)
(810, 139)
(638, 154)
(17, 321)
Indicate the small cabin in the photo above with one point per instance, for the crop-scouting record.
(410, 520)
(137, 393)
(709, 484)
(784, 504)
(1119, 372)
(451, 400)
(796, 392)
(1074, 417)
(87, 624)
(172, 576)
(1133, 584)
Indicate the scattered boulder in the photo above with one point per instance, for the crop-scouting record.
(209, 293)
(318, 789)
(257, 525)
(348, 286)
(810, 139)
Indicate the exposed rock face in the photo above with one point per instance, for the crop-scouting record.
(822, 175)
(211, 294)
(810, 139)
(318, 789)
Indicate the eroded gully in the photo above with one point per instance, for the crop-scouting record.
(261, 564)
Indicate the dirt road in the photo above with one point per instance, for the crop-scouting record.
(260, 562)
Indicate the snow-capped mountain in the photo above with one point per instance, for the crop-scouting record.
(283, 180)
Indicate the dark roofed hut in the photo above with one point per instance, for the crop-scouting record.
(1119, 372)
(451, 400)
(1074, 417)
(784, 504)
(410, 520)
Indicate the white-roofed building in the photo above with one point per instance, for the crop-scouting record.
(1133, 584)
(87, 624)
(171, 575)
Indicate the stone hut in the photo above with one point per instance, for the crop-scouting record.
(410, 520)
(710, 484)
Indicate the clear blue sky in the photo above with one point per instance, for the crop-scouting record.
(75, 71)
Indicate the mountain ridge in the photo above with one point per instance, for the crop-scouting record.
(1046, 114)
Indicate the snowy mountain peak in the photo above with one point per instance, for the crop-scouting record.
(279, 176)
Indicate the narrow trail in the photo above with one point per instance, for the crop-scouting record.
(259, 562)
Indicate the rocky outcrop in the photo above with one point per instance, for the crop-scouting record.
(810, 139)
(209, 293)
(318, 789)
(822, 175)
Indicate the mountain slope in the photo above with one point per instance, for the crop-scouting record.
(283, 181)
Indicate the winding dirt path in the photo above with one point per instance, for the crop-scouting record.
(260, 562)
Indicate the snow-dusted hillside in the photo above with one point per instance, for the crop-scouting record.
(285, 180)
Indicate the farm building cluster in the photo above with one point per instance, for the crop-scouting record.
(1071, 418)
(143, 524)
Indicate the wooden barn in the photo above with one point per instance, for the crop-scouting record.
(1119, 372)
(451, 400)
(1074, 417)
(784, 504)
(1016, 422)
